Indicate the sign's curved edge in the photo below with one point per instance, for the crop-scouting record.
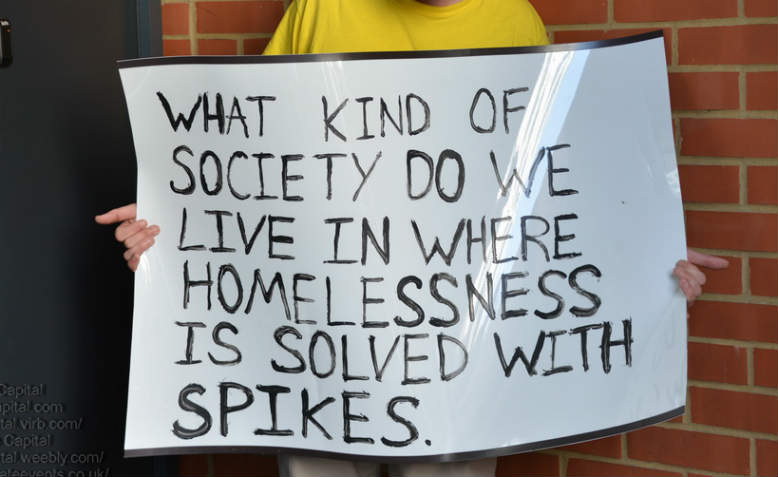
(460, 456)
(384, 55)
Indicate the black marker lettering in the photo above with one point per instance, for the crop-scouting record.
(180, 119)
(365, 133)
(217, 187)
(298, 277)
(259, 100)
(449, 375)
(367, 233)
(338, 221)
(267, 294)
(187, 405)
(308, 413)
(261, 157)
(408, 112)
(348, 417)
(435, 321)
(519, 354)
(236, 113)
(511, 293)
(473, 106)
(596, 301)
(248, 243)
(273, 238)
(487, 303)
(223, 270)
(560, 302)
(235, 155)
(370, 301)
(608, 343)
(582, 330)
(286, 178)
(551, 171)
(190, 326)
(190, 187)
(409, 302)
(217, 340)
(272, 394)
(436, 247)
(407, 358)
(556, 369)
(330, 352)
(181, 246)
(413, 433)
(328, 118)
(329, 157)
(279, 336)
(188, 283)
(218, 116)
(225, 408)
(220, 229)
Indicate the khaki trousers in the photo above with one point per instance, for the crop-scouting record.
(303, 466)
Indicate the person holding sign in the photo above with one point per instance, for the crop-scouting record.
(310, 26)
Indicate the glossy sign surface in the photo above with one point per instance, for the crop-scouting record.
(417, 255)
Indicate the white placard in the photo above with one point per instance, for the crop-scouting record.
(411, 255)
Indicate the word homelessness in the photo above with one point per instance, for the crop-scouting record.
(232, 293)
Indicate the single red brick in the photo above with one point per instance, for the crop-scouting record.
(248, 465)
(761, 8)
(710, 183)
(763, 185)
(766, 367)
(195, 465)
(606, 447)
(668, 10)
(580, 467)
(239, 17)
(764, 276)
(766, 457)
(762, 90)
(723, 137)
(255, 46)
(575, 36)
(217, 47)
(723, 364)
(735, 321)
(703, 91)
(728, 280)
(533, 464)
(175, 19)
(732, 230)
(176, 47)
(735, 410)
(690, 449)
(554, 12)
(730, 45)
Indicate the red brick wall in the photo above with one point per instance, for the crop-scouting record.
(194, 27)
(722, 57)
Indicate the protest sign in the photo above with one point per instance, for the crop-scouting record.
(410, 255)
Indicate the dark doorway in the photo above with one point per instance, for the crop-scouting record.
(66, 154)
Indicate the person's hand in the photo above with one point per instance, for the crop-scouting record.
(136, 235)
(690, 277)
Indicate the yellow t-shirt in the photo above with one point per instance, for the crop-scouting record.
(339, 26)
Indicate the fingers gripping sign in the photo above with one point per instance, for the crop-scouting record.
(136, 235)
(690, 277)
